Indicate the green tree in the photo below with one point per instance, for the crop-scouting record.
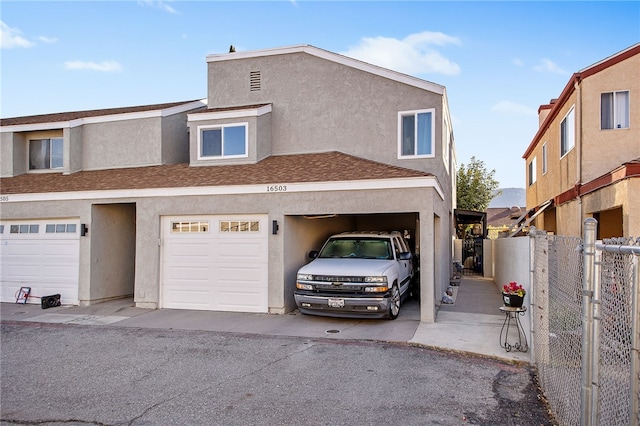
(476, 186)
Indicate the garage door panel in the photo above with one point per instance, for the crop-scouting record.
(241, 301)
(190, 299)
(186, 251)
(230, 267)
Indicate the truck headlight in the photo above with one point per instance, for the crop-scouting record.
(301, 286)
(305, 277)
(377, 280)
(376, 289)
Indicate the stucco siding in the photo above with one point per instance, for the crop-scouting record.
(320, 105)
(605, 150)
(623, 194)
(125, 143)
(175, 139)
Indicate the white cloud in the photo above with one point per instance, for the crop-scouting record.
(412, 55)
(106, 66)
(10, 37)
(517, 62)
(508, 107)
(547, 65)
(48, 40)
(158, 5)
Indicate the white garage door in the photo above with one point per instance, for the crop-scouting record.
(41, 254)
(216, 263)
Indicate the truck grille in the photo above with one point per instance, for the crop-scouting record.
(337, 279)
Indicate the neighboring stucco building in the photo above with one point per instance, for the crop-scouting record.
(215, 204)
(584, 160)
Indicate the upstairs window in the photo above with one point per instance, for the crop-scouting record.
(416, 133)
(614, 110)
(532, 171)
(222, 141)
(567, 133)
(544, 158)
(45, 154)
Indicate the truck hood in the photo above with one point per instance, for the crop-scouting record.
(347, 267)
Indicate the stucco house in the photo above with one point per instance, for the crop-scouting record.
(214, 204)
(584, 161)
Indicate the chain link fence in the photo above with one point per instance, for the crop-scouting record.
(586, 327)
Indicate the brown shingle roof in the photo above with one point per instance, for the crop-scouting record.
(67, 116)
(319, 167)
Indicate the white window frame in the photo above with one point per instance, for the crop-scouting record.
(532, 171)
(566, 147)
(204, 128)
(616, 112)
(49, 141)
(545, 158)
(415, 113)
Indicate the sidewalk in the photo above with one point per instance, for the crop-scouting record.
(472, 324)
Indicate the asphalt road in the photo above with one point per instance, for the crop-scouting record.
(54, 374)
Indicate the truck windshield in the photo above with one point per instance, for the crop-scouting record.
(357, 248)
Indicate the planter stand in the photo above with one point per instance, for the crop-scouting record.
(513, 314)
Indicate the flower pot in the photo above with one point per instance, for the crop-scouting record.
(512, 300)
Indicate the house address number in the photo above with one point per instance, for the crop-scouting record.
(276, 188)
(4, 198)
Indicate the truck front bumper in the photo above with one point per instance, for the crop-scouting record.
(340, 306)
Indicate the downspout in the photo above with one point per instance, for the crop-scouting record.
(577, 87)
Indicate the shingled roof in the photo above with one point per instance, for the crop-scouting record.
(74, 115)
(319, 167)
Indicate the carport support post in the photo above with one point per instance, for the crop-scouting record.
(427, 276)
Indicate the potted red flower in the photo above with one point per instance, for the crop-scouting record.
(513, 294)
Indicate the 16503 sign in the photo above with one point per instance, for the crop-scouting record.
(276, 188)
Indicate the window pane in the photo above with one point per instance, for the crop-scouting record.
(424, 133)
(71, 228)
(33, 229)
(39, 154)
(50, 229)
(56, 153)
(61, 228)
(408, 135)
(211, 143)
(234, 140)
(13, 229)
(567, 133)
(606, 111)
(622, 110)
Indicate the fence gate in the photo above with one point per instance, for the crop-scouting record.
(472, 256)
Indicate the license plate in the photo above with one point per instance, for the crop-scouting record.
(336, 303)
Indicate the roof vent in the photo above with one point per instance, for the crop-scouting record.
(254, 81)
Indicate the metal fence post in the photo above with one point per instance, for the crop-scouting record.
(588, 259)
(635, 342)
(596, 300)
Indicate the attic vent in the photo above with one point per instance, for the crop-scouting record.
(254, 81)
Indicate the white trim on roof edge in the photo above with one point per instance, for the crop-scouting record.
(238, 113)
(274, 189)
(105, 118)
(334, 57)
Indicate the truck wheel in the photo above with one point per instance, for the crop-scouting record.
(394, 303)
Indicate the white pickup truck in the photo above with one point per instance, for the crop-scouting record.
(364, 274)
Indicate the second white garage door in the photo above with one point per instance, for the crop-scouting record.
(216, 263)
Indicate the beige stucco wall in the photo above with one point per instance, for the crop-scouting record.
(562, 173)
(605, 150)
(624, 194)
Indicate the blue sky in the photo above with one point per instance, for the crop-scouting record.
(498, 60)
